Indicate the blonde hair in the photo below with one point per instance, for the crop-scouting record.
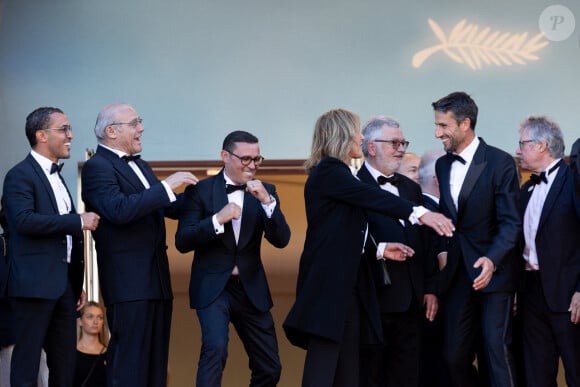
(103, 335)
(333, 134)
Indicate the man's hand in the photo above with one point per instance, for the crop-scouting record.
(575, 308)
(178, 179)
(257, 189)
(397, 251)
(82, 300)
(442, 260)
(487, 269)
(441, 224)
(431, 306)
(90, 221)
(229, 212)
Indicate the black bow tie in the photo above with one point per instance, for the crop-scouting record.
(454, 157)
(542, 177)
(56, 168)
(538, 179)
(394, 180)
(128, 158)
(233, 188)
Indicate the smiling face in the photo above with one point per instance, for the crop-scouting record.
(455, 136)
(126, 130)
(233, 166)
(54, 142)
(383, 155)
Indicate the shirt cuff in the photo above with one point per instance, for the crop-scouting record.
(381, 250)
(417, 213)
(170, 193)
(270, 207)
(218, 228)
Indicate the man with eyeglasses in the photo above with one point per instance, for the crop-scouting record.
(131, 247)
(45, 253)
(549, 303)
(479, 189)
(405, 281)
(224, 218)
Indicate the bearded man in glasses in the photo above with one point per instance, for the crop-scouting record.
(131, 247)
(224, 218)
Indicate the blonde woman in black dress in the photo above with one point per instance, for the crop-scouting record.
(91, 348)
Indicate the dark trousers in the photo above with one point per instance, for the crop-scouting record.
(396, 364)
(255, 329)
(466, 312)
(138, 351)
(332, 364)
(48, 324)
(546, 337)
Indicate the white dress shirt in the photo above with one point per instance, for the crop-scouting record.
(532, 216)
(458, 170)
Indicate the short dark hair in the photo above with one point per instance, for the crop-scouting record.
(238, 136)
(38, 120)
(460, 104)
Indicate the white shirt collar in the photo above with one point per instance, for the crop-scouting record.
(115, 151)
(45, 163)
(470, 150)
(374, 172)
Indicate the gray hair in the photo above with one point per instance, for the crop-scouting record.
(372, 128)
(544, 129)
(106, 117)
(427, 165)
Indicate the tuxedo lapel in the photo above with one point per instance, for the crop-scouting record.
(249, 214)
(445, 189)
(123, 168)
(477, 166)
(44, 180)
(553, 194)
(365, 176)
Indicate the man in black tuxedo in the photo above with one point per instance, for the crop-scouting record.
(409, 294)
(131, 247)
(550, 302)
(224, 218)
(479, 192)
(45, 253)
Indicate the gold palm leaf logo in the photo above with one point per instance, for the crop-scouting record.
(469, 45)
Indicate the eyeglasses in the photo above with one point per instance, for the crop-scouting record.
(66, 129)
(246, 160)
(136, 122)
(524, 142)
(395, 143)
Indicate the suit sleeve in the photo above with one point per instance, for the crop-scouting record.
(343, 186)
(507, 216)
(276, 229)
(103, 194)
(195, 227)
(21, 191)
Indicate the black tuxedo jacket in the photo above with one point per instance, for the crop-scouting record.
(130, 239)
(558, 239)
(416, 275)
(336, 204)
(216, 254)
(487, 222)
(37, 248)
